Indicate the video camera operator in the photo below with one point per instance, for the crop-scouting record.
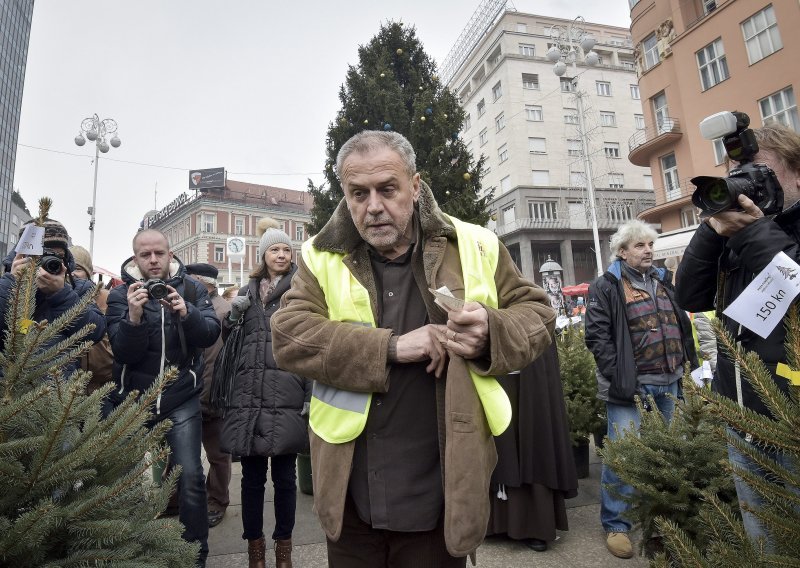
(725, 254)
(155, 320)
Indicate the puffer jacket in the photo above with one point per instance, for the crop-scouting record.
(608, 335)
(142, 352)
(264, 418)
(715, 270)
(355, 358)
(52, 306)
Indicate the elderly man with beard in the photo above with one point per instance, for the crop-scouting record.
(404, 402)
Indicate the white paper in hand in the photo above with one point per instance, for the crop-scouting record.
(444, 298)
(30, 242)
(762, 305)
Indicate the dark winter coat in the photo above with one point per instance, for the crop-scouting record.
(50, 307)
(265, 416)
(142, 352)
(608, 335)
(734, 262)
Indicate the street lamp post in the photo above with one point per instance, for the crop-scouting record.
(566, 49)
(96, 131)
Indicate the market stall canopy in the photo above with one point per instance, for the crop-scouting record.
(672, 243)
(105, 272)
(577, 290)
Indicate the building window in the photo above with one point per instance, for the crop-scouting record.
(483, 137)
(647, 181)
(522, 28)
(719, 151)
(608, 118)
(238, 226)
(467, 122)
(661, 110)
(577, 179)
(603, 88)
(505, 184)
(635, 92)
(689, 217)
(712, 64)
(534, 113)
(780, 107)
(620, 211)
(530, 81)
(543, 209)
(481, 107)
(208, 222)
(509, 215)
(499, 122)
(638, 121)
(298, 232)
(616, 181)
(761, 35)
(502, 153)
(497, 90)
(709, 6)
(571, 117)
(566, 85)
(672, 186)
(219, 253)
(573, 147)
(650, 50)
(537, 145)
(611, 149)
(540, 177)
(527, 49)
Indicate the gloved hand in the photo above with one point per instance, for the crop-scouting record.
(239, 306)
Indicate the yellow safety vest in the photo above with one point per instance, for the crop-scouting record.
(337, 415)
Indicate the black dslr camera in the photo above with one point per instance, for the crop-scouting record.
(156, 288)
(758, 182)
(50, 262)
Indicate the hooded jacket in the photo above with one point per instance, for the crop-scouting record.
(142, 352)
(608, 336)
(52, 306)
(355, 358)
(715, 270)
(264, 418)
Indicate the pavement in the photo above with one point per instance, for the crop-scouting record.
(583, 546)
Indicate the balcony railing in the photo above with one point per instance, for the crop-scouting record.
(666, 126)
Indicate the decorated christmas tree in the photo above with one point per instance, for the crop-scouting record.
(394, 87)
(75, 486)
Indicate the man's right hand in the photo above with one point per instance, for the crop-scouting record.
(137, 298)
(728, 223)
(426, 342)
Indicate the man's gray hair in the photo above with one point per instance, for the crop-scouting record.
(368, 141)
(631, 232)
(205, 279)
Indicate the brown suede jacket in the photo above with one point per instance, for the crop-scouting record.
(355, 358)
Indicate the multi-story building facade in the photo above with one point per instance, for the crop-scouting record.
(198, 226)
(697, 58)
(17, 217)
(524, 119)
(15, 29)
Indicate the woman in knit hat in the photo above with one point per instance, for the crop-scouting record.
(265, 420)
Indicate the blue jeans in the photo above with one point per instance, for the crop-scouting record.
(748, 496)
(627, 419)
(254, 478)
(184, 442)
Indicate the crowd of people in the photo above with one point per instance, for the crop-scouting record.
(403, 331)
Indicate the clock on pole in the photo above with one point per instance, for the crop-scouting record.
(236, 248)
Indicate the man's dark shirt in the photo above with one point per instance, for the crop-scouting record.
(396, 482)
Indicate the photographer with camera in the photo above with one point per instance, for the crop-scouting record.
(743, 230)
(159, 319)
(56, 289)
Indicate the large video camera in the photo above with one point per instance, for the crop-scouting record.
(758, 182)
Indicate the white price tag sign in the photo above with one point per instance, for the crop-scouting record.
(30, 242)
(762, 305)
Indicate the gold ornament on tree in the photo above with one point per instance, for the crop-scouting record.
(467, 176)
(399, 51)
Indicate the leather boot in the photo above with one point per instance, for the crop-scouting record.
(256, 551)
(283, 553)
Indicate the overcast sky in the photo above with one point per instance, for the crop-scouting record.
(249, 85)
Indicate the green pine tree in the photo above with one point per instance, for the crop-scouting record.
(395, 87)
(722, 540)
(586, 413)
(75, 487)
(673, 467)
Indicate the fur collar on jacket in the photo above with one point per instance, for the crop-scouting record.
(340, 235)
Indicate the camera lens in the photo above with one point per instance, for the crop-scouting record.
(157, 289)
(51, 264)
(717, 194)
